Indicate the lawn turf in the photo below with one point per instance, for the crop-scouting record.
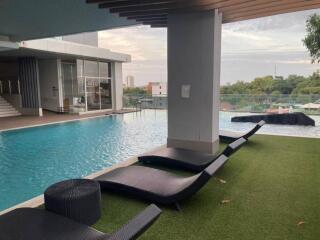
(273, 183)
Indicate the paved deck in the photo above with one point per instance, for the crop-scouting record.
(48, 117)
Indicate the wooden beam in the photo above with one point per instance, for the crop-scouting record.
(149, 17)
(127, 9)
(144, 13)
(133, 3)
(154, 22)
(102, 1)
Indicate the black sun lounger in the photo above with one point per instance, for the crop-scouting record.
(227, 136)
(157, 185)
(38, 224)
(187, 159)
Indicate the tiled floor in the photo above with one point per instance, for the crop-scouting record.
(48, 117)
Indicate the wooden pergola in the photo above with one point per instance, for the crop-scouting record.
(155, 12)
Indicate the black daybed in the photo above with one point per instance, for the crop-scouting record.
(38, 224)
(187, 159)
(226, 136)
(157, 185)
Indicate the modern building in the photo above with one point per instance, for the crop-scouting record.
(157, 88)
(62, 74)
(130, 81)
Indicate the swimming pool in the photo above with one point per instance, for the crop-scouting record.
(33, 158)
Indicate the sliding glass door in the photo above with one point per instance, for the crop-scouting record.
(96, 78)
(93, 94)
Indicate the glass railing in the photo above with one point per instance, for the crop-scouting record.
(309, 104)
(9, 86)
(144, 101)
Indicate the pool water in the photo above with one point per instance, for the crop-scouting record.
(31, 159)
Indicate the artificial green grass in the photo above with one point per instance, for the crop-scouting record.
(273, 183)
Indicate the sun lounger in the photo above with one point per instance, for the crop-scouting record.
(38, 224)
(156, 185)
(227, 136)
(187, 159)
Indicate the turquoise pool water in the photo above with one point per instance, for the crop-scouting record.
(33, 158)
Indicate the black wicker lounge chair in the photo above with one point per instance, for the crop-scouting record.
(227, 136)
(157, 185)
(187, 159)
(38, 224)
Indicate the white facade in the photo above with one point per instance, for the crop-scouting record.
(158, 88)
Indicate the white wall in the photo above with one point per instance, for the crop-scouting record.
(159, 88)
(194, 45)
(49, 85)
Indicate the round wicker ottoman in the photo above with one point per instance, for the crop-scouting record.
(78, 199)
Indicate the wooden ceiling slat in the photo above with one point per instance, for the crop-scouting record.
(199, 5)
(266, 13)
(275, 8)
(257, 4)
(156, 11)
(228, 4)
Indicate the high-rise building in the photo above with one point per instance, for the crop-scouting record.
(130, 81)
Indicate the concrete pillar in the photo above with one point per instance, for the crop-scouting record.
(117, 86)
(194, 56)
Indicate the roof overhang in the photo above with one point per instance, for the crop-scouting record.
(52, 48)
(34, 19)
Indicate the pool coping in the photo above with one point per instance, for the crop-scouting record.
(56, 122)
(39, 200)
(71, 120)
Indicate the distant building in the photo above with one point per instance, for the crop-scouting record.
(130, 81)
(157, 88)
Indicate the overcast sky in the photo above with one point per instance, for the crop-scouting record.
(249, 49)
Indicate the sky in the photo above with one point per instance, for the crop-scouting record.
(250, 49)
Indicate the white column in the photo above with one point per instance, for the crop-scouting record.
(117, 87)
(194, 56)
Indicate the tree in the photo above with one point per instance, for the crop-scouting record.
(135, 91)
(262, 85)
(312, 40)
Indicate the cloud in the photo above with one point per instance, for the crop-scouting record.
(141, 42)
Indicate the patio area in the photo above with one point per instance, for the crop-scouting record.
(268, 190)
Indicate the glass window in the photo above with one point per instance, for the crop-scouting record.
(94, 83)
(103, 70)
(91, 69)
